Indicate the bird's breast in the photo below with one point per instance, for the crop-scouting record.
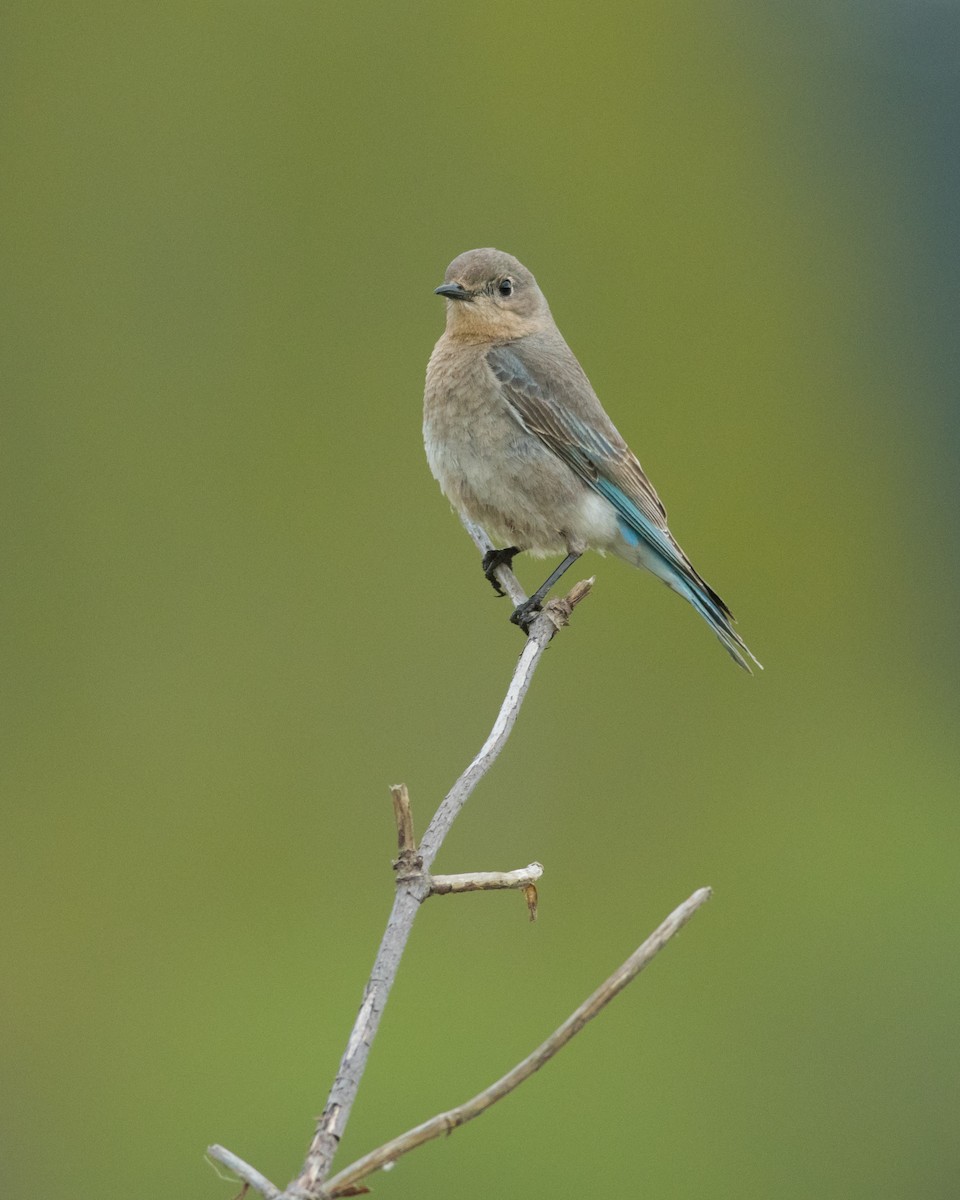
(496, 472)
(465, 432)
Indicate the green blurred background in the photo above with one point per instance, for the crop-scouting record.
(236, 607)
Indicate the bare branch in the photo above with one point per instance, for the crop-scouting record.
(250, 1175)
(485, 881)
(555, 614)
(448, 1121)
(412, 889)
(332, 1122)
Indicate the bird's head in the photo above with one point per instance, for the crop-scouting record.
(492, 297)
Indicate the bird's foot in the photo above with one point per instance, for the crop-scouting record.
(526, 613)
(498, 558)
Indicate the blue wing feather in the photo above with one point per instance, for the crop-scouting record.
(588, 442)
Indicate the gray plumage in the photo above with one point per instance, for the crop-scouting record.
(519, 442)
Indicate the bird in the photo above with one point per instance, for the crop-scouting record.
(521, 445)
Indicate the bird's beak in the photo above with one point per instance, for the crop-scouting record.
(453, 291)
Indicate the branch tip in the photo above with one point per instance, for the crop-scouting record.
(580, 590)
(559, 609)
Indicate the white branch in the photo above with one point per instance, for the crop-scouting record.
(554, 616)
(485, 881)
(249, 1175)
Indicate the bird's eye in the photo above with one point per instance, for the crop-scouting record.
(505, 287)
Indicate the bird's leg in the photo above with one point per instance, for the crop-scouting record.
(524, 613)
(498, 558)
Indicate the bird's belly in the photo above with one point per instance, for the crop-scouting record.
(519, 491)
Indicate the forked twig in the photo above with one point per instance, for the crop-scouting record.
(446, 1122)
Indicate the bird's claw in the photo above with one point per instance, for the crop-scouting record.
(526, 613)
(494, 559)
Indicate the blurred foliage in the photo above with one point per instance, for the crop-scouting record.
(236, 607)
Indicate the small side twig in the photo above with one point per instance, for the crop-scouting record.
(250, 1176)
(446, 1122)
(485, 881)
(525, 879)
(408, 861)
(406, 842)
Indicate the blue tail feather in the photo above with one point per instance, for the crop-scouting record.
(677, 572)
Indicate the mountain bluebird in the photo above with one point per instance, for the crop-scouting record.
(519, 442)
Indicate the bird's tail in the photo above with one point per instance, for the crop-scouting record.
(716, 614)
(654, 547)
